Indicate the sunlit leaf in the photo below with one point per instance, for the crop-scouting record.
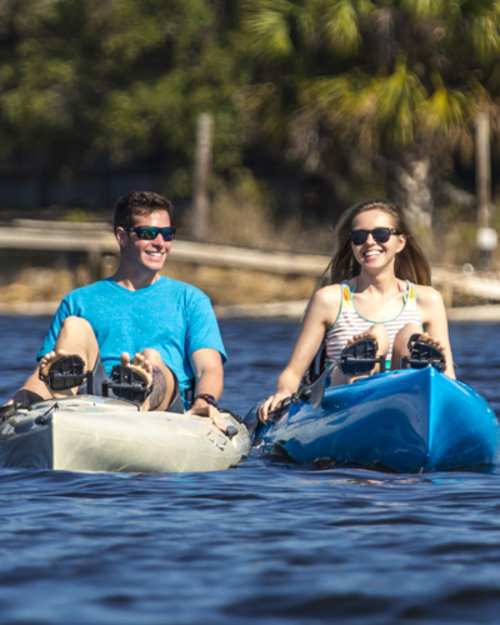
(485, 35)
(398, 97)
(446, 111)
(428, 8)
(341, 25)
(267, 24)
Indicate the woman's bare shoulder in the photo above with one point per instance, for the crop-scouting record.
(328, 294)
(326, 302)
(428, 295)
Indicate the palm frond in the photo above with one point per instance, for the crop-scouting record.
(346, 97)
(430, 8)
(446, 112)
(485, 33)
(266, 25)
(399, 95)
(307, 22)
(341, 26)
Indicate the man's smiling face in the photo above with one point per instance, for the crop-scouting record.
(148, 255)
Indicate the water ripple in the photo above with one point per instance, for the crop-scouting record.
(264, 543)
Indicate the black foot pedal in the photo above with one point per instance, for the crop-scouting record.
(360, 358)
(422, 354)
(65, 373)
(126, 384)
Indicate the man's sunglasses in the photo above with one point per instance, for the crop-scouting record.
(380, 235)
(149, 233)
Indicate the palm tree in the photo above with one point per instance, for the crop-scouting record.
(401, 81)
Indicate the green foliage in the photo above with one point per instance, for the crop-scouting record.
(342, 25)
(241, 212)
(267, 27)
(127, 78)
(322, 83)
(385, 82)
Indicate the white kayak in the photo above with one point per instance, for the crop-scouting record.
(89, 433)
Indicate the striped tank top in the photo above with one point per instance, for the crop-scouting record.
(350, 322)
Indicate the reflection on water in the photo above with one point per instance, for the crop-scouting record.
(265, 542)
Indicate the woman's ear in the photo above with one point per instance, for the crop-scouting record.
(401, 243)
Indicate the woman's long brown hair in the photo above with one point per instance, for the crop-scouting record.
(411, 263)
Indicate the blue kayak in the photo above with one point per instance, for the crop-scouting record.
(405, 421)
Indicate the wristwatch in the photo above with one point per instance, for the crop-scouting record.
(210, 399)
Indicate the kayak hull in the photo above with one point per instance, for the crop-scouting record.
(406, 421)
(89, 434)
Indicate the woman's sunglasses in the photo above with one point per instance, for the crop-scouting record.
(380, 235)
(149, 233)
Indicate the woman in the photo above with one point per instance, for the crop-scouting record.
(379, 302)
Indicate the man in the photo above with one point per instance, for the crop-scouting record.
(155, 339)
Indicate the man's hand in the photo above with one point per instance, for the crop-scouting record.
(203, 409)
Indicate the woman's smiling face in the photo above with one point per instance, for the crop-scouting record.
(372, 255)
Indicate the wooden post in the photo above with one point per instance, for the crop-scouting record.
(202, 170)
(483, 168)
(486, 236)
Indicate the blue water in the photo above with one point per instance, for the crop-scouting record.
(263, 543)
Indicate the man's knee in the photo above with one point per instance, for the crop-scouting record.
(154, 357)
(156, 360)
(164, 382)
(77, 324)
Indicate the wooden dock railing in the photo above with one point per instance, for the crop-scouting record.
(96, 240)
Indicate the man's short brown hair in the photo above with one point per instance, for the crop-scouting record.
(139, 203)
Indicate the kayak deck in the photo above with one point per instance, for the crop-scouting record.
(88, 433)
(406, 421)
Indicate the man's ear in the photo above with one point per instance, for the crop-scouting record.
(121, 236)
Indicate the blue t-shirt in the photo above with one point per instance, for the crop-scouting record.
(170, 316)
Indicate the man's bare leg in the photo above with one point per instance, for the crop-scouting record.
(156, 374)
(76, 338)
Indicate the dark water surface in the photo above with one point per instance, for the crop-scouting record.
(262, 543)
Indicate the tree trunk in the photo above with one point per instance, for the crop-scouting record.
(415, 194)
(483, 169)
(202, 170)
(486, 236)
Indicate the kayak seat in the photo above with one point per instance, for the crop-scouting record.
(423, 354)
(315, 369)
(360, 357)
(126, 383)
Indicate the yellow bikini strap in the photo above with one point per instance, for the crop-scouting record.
(410, 296)
(347, 296)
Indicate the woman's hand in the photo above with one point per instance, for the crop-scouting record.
(321, 312)
(273, 402)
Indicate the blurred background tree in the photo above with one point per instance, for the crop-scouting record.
(322, 102)
(115, 82)
(377, 90)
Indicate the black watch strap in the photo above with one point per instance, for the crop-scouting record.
(210, 399)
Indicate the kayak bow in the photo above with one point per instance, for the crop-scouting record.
(405, 421)
(89, 433)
